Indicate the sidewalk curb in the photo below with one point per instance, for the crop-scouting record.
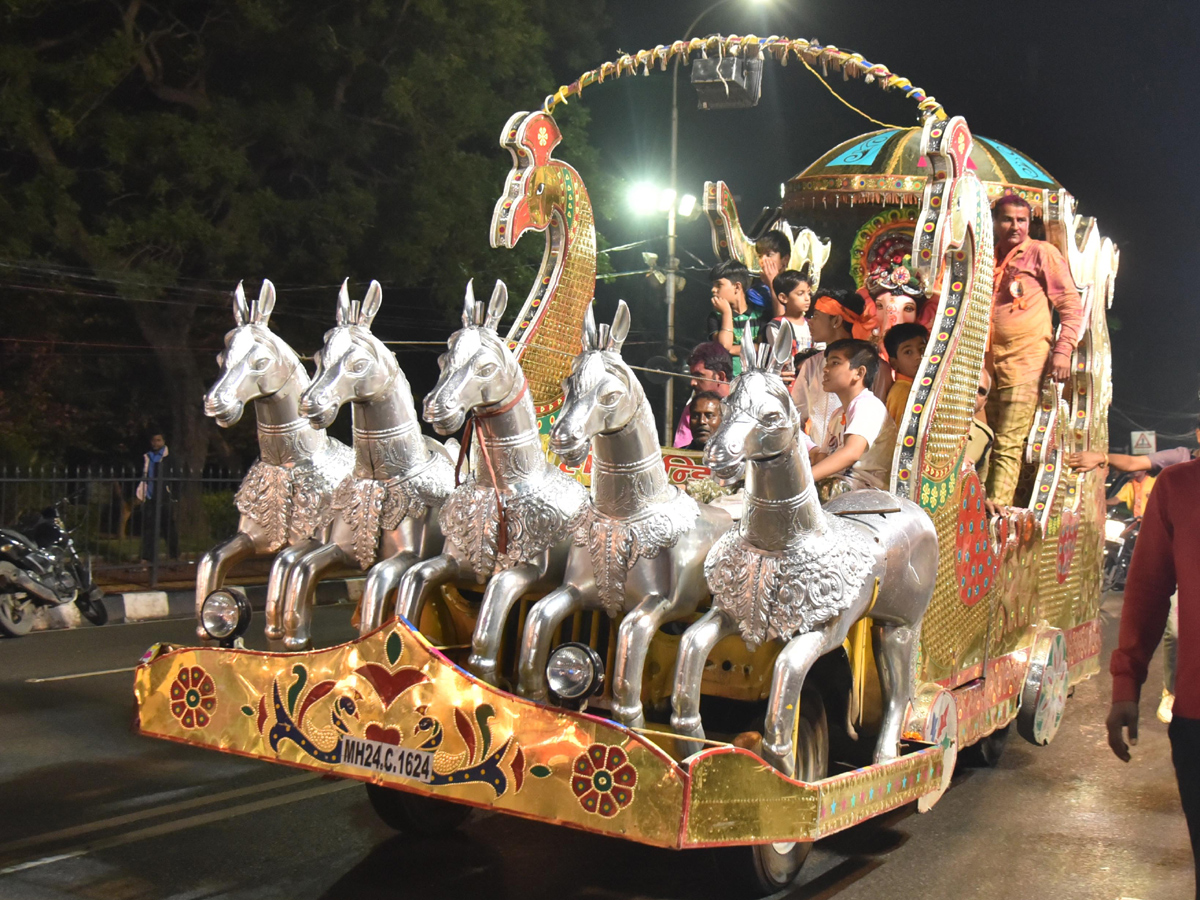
(144, 606)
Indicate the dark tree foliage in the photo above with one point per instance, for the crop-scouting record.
(153, 154)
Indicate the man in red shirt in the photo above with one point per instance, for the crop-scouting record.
(1030, 278)
(1165, 556)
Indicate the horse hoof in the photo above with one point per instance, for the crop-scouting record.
(273, 633)
(629, 716)
(295, 644)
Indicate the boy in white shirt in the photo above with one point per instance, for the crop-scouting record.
(861, 437)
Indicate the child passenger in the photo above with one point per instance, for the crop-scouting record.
(836, 315)
(861, 437)
(794, 292)
(905, 345)
(732, 311)
(774, 253)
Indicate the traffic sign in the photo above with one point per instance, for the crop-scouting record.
(1143, 442)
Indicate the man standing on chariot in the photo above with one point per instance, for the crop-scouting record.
(1030, 277)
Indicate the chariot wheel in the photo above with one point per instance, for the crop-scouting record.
(986, 753)
(933, 718)
(16, 616)
(414, 813)
(1044, 696)
(773, 867)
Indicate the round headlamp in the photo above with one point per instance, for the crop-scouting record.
(225, 615)
(1114, 530)
(574, 672)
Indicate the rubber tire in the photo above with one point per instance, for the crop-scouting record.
(986, 753)
(414, 813)
(770, 870)
(93, 610)
(16, 618)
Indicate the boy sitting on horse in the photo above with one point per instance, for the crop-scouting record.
(861, 437)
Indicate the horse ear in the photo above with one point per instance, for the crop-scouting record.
(591, 340)
(620, 327)
(468, 314)
(265, 304)
(749, 359)
(343, 304)
(241, 309)
(370, 304)
(496, 305)
(781, 350)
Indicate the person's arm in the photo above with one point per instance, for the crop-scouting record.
(1148, 590)
(1060, 288)
(842, 458)
(723, 334)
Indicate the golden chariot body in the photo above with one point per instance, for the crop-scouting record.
(904, 624)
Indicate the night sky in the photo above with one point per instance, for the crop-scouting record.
(1103, 95)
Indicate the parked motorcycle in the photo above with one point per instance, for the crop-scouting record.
(39, 567)
(1120, 534)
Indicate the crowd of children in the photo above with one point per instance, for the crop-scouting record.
(857, 353)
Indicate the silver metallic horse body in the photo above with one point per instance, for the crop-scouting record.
(794, 571)
(285, 498)
(640, 546)
(508, 521)
(387, 508)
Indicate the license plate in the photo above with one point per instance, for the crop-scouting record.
(387, 758)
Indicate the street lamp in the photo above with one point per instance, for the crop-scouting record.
(672, 260)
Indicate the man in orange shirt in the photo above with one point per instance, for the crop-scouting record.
(1030, 278)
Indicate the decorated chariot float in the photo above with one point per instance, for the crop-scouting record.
(553, 627)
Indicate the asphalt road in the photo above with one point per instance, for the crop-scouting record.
(88, 809)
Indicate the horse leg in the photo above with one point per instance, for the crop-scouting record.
(215, 565)
(498, 598)
(543, 623)
(697, 642)
(419, 581)
(281, 570)
(791, 668)
(382, 579)
(302, 585)
(894, 649)
(633, 644)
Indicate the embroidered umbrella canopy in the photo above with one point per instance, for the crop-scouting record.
(886, 167)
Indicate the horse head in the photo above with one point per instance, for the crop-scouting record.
(536, 185)
(758, 420)
(601, 395)
(354, 365)
(255, 362)
(477, 369)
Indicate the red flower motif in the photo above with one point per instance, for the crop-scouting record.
(193, 697)
(603, 779)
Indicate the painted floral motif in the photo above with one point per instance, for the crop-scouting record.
(975, 559)
(193, 697)
(603, 780)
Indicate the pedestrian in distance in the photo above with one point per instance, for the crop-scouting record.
(158, 515)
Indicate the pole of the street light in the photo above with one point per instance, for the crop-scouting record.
(672, 260)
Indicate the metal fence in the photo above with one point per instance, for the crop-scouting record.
(129, 529)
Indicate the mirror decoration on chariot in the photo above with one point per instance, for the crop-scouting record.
(553, 626)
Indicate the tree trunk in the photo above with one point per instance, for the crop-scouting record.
(168, 329)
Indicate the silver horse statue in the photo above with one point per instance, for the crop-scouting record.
(508, 523)
(285, 500)
(386, 510)
(796, 572)
(640, 546)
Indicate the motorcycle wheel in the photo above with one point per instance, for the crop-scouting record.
(16, 616)
(93, 610)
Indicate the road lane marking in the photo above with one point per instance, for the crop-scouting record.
(79, 675)
(142, 834)
(125, 819)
